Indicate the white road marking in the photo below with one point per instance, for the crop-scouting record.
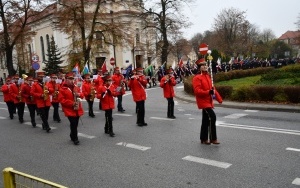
(4, 109)
(296, 181)
(179, 87)
(133, 146)
(2, 102)
(188, 114)
(235, 116)
(191, 118)
(86, 136)
(293, 149)
(251, 110)
(38, 125)
(175, 103)
(161, 118)
(181, 110)
(3, 117)
(118, 114)
(207, 161)
(94, 112)
(256, 128)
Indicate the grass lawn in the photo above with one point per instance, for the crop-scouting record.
(236, 83)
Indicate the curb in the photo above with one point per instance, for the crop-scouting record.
(245, 106)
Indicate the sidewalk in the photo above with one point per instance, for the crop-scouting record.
(180, 94)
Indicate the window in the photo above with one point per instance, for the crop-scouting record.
(99, 39)
(43, 48)
(137, 35)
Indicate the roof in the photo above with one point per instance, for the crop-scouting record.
(289, 35)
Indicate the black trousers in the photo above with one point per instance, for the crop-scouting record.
(11, 109)
(44, 113)
(208, 127)
(73, 127)
(140, 112)
(120, 98)
(90, 104)
(20, 107)
(32, 109)
(170, 107)
(108, 121)
(55, 111)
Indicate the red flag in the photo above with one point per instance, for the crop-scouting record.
(103, 68)
(180, 64)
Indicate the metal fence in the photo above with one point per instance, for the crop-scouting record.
(16, 179)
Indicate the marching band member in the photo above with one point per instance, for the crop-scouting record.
(40, 92)
(54, 91)
(69, 97)
(137, 85)
(99, 82)
(204, 92)
(106, 93)
(119, 83)
(16, 93)
(167, 83)
(89, 92)
(8, 98)
(29, 100)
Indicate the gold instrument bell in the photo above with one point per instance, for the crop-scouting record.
(24, 76)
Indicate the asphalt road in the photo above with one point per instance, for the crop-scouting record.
(258, 148)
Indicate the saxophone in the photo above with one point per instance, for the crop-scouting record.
(19, 93)
(55, 94)
(46, 92)
(76, 101)
(93, 92)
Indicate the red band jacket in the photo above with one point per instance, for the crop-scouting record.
(106, 94)
(67, 100)
(137, 85)
(37, 91)
(167, 86)
(202, 85)
(117, 79)
(16, 93)
(5, 89)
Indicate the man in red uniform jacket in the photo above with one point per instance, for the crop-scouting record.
(137, 85)
(16, 93)
(167, 83)
(119, 83)
(40, 92)
(89, 92)
(54, 91)
(106, 93)
(29, 100)
(204, 93)
(8, 98)
(69, 97)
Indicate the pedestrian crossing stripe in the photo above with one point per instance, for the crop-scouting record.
(235, 116)
(207, 161)
(133, 146)
(161, 118)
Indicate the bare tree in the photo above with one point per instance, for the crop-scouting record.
(85, 18)
(168, 18)
(15, 15)
(196, 41)
(230, 25)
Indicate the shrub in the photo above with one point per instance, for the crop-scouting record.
(225, 91)
(265, 93)
(292, 93)
(245, 93)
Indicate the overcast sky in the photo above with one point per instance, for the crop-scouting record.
(277, 15)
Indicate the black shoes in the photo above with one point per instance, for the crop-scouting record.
(33, 124)
(172, 117)
(142, 124)
(121, 110)
(112, 134)
(76, 142)
(21, 120)
(48, 129)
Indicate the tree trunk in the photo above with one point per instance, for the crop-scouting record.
(9, 61)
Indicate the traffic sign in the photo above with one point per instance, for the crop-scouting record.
(35, 66)
(35, 58)
(203, 48)
(112, 61)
